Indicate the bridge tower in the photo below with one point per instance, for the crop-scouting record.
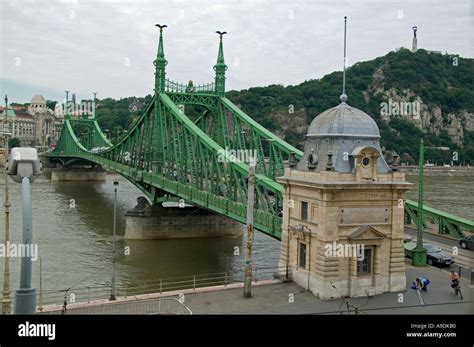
(160, 63)
(220, 68)
(186, 156)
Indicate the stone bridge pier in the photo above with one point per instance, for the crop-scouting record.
(147, 222)
(79, 172)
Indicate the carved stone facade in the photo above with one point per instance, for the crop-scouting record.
(40, 127)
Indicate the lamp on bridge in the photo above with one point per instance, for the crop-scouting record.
(419, 253)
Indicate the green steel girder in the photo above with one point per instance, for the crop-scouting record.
(188, 168)
(172, 87)
(247, 134)
(168, 156)
(447, 223)
(209, 101)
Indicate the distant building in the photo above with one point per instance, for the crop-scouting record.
(135, 106)
(37, 127)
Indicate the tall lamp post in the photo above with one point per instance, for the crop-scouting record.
(6, 299)
(112, 294)
(23, 166)
(248, 253)
(419, 253)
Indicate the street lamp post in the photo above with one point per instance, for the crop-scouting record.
(419, 253)
(6, 299)
(112, 295)
(23, 166)
(248, 253)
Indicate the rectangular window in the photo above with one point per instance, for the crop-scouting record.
(302, 255)
(364, 266)
(304, 210)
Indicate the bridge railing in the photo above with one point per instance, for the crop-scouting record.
(86, 294)
(149, 306)
(175, 87)
(447, 223)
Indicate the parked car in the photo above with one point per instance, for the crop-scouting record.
(467, 242)
(434, 254)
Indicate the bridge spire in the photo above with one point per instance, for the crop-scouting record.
(220, 67)
(160, 63)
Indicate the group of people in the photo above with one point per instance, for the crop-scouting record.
(421, 283)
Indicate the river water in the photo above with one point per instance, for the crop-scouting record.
(75, 240)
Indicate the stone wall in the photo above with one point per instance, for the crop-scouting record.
(78, 175)
(176, 222)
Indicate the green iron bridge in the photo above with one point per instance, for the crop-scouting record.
(169, 155)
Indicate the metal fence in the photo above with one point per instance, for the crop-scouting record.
(150, 306)
(86, 294)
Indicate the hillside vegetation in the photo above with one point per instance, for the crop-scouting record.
(441, 85)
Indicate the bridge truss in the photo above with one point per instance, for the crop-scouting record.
(169, 156)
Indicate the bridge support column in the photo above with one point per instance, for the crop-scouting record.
(78, 174)
(146, 222)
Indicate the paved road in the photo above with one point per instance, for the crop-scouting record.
(465, 257)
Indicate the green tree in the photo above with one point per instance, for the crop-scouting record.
(13, 142)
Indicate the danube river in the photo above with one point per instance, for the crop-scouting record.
(75, 240)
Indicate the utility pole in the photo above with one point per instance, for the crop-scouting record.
(248, 254)
(419, 253)
(41, 287)
(6, 299)
(112, 294)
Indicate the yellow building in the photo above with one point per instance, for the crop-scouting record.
(343, 217)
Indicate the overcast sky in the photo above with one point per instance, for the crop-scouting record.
(109, 46)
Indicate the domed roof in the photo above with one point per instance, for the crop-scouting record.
(335, 135)
(38, 99)
(343, 120)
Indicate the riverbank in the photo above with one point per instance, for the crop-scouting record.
(285, 297)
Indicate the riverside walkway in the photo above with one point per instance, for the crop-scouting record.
(278, 297)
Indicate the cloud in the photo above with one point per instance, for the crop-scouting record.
(109, 46)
